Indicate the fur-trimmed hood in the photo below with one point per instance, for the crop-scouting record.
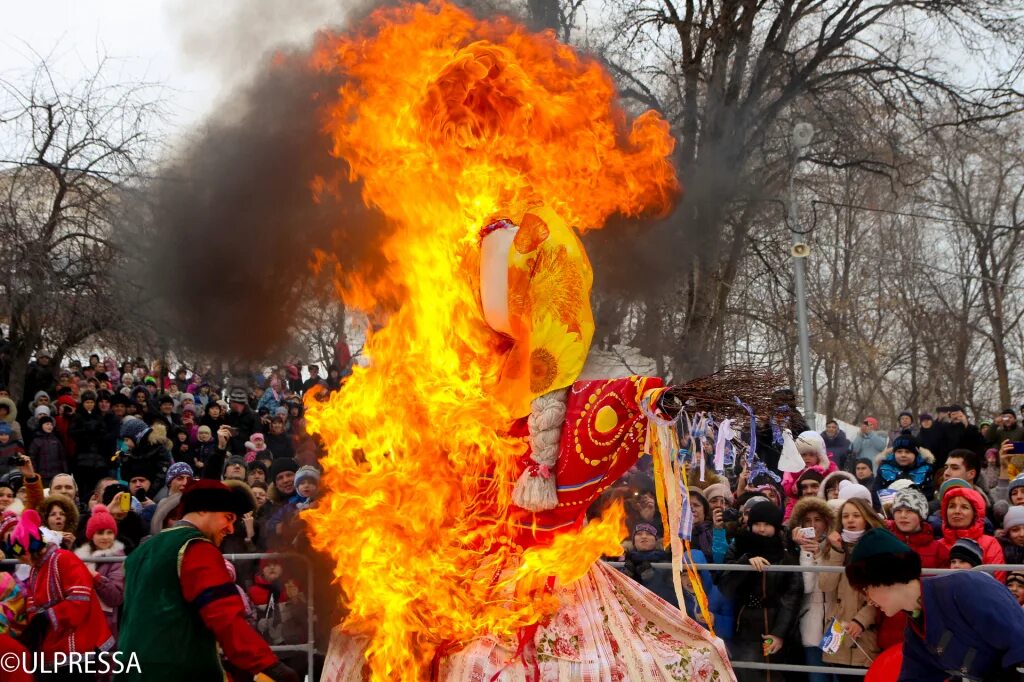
(66, 505)
(811, 441)
(86, 552)
(12, 409)
(833, 477)
(808, 504)
(924, 456)
(710, 478)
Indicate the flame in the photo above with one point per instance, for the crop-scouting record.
(450, 121)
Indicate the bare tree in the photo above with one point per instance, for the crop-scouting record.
(980, 181)
(730, 77)
(67, 154)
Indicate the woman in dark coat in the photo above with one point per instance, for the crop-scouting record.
(767, 603)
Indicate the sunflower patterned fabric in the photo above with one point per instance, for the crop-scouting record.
(551, 323)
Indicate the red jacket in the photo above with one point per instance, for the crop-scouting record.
(261, 590)
(62, 424)
(934, 554)
(61, 587)
(991, 550)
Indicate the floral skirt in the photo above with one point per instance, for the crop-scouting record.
(608, 629)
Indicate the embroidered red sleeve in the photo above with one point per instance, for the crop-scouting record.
(207, 585)
(76, 583)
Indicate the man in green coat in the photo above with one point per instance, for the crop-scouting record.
(180, 602)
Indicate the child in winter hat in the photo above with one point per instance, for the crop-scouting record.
(1012, 540)
(108, 578)
(849, 491)
(965, 554)
(1015, 490)
(1015, 582)
(307, 484)
(254, 446)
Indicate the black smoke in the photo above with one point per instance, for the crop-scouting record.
(231, 224)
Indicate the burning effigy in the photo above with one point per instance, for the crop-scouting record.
(460, 462)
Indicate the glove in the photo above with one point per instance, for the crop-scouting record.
(279, 672)
(35, 632)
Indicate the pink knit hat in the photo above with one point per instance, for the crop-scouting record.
(101, 519)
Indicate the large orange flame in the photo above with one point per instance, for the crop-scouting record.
(450, 121)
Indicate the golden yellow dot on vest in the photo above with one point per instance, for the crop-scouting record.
(606, 419)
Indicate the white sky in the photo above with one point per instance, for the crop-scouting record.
(136, 35)
(194, 48)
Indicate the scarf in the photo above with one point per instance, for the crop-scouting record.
(852, 536)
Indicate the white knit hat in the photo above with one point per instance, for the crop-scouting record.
(1014, 517)
(848, 491)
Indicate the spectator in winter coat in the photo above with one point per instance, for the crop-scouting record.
(963, 516)
(959, 433)
(64, 612)
(809, 524)
(1015, 583)
(213, 418)
(863, 470)
(46, 451)
(829, 489)
(272, 398)
(811, 447)
(32, 425)
(869, 442)
(146, 448)
(1005, 428)
(107, 578)
(60, 515)
(720, 608)
(850, 607)
(242, 419)
(759, 597)
(1012, 541)
(88, 430)
(9, 414)
(647, 549)
(930, 436)
(948, 635)
(9, 446)
(702, 532)
(279, 442)
(905, 461)
(909, 524)
(836, 443)
(904, 425)
(720, 498)
(965, 555)
(178, 476)
(1015, 490)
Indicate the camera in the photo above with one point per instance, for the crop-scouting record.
(16, 460)
(730, 515)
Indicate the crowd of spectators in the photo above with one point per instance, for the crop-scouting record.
(95, 456)
(941, 484)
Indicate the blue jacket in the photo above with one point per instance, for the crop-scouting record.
(720, 607)
(919, 473)
(973, 628)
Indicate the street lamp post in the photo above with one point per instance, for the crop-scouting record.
(802, 135)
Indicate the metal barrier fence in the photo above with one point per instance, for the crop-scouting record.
(788, 568)
(309, 647)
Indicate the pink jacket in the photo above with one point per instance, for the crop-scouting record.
(825, 466)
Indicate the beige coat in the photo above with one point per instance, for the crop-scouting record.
(848, 604)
